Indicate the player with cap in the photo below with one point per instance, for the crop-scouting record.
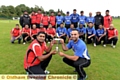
(82, 18)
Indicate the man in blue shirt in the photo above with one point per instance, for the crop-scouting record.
(81, 58)
(82, 18)
(101, 35)
(67, 20)
(69, 31)
(90, 32)
(82, 32)
(75, 18)
(59, 19)
(61, 32)
(90, 19)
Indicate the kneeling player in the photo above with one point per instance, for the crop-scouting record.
(101, 35)
(90, 31)
(82, 32)
(16, 34)
(26, 34)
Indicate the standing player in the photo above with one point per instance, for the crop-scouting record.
(112, 35)
(26, 34)
(35, 62)
(25, 19)
(75, 18)
(82, 31)
(53, 20)
(81, 58)
(90, 19)
(98, 20)
(67, 20)
(90, 32)
(38, 18)
(16, 34)
(59, 19)
(33, 18)
(107, 19)
(101, 35)
(82, 18)
(45, 20)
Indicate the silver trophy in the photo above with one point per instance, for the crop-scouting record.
(57, 45)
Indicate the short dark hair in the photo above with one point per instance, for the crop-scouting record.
(74, 10)
(75, 30)
(107, 11)
(81, 11)
(41, 32)
(39, 9)
(90, 22)
(17, 24)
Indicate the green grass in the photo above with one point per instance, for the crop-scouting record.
(105, 62)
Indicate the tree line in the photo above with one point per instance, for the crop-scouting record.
(11, 11)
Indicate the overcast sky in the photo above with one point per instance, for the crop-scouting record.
(69, 5)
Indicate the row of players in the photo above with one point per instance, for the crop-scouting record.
(74, 18)
(109, 35)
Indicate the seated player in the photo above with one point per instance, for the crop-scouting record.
(16, 34)
(35, 61)
(82, 32)
(101, 35)
(26, 34)
(90, 32)
(61, 32)
(34, 32)
(42, 29)
(50, 33)
(69, 31)
(112, 35)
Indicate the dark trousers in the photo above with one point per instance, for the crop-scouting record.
(46, 26)
(82, 37)
(40, 68)
(49, 38)
(114, 40)
(58, 25)
(96, 27)
(34, 36)
(64, 38)
(75, 24)
(67, 26)
(90, 40)
(78, 65)
(37, 25)
(104, 39)
(24, 36)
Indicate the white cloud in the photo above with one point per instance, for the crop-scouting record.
(69, 5)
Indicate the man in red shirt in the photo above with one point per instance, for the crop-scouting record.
(53, 20)
(107, 19)
(38, 18)
(26, 34)
(35, 62)
(45, 20)
(51, 32)
(34, 32)
(16, 34)
(33, 18)
(112, 35)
